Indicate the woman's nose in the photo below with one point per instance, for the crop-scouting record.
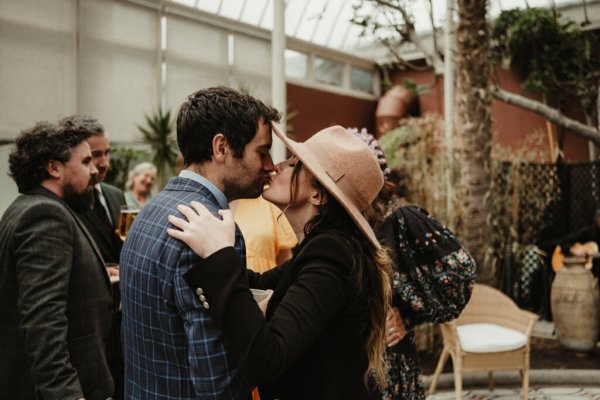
(279, 167)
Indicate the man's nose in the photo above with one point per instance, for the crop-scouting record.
(279, 167)
(103, 162)
(268, 164)
(93, 169)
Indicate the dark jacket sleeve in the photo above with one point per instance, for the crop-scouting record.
(266, 280)
(262, 349)
(44, 261)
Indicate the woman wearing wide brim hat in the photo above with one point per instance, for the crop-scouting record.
(324, 328)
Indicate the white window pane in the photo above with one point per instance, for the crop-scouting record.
(196, 57)
(36, 63)
(296, 64)
(119, 66)
(361, 79)
(328, 71)
(251, 69)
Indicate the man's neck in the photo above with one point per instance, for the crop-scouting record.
(209, 172)
(53, 187)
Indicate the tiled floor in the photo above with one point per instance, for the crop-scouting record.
(542, 393)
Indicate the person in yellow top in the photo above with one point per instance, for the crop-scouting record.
(268, 234)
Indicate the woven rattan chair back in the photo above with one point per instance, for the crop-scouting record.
(487, 305)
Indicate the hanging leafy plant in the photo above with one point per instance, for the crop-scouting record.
(555, 57)
(158, 134)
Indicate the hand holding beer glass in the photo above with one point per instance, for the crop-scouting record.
(126, 217)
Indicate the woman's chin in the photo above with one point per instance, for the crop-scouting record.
(265, 193)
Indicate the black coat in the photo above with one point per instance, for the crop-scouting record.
(55, 304)
(107, 241)
(312, 343)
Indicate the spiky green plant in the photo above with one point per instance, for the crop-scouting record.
(158, 134)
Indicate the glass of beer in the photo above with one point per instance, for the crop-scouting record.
(126, 217)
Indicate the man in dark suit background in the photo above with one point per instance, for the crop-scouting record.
(55, 296)
(101, 218)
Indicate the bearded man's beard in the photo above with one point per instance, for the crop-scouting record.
(78, 201)
(234, 189)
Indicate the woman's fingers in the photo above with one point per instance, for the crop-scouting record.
(390, 321)
(227, 215)
(393, 339)
(201, 230)
(177, 222)
(187, 212)
(175, 233)
(200, 208)
(394, 327)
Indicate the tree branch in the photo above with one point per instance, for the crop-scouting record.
(432, 57)
(547, 112)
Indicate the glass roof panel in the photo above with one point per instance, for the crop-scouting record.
(253, 10)
(266, 18)
(327, 22)
(189, 3)
(310, 18)
(211, 6)
(294, 10)
(231, 8)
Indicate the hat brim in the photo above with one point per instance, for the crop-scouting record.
(312, 164)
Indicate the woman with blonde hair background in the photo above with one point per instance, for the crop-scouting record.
(324, 329)
(139, 184)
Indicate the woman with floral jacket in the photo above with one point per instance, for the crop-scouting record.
(433, 277)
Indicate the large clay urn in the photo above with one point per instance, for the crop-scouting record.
(392, 106)
(575, 306)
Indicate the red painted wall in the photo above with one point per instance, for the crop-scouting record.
(317, 109)
(511, 124)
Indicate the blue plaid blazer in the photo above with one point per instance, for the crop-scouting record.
(172, 348)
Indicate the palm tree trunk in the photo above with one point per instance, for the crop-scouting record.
(473, 130)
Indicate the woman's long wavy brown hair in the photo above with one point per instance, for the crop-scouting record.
(370, 273)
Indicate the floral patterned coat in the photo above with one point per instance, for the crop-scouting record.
(433, 279)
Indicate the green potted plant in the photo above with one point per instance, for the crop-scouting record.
(158, 134)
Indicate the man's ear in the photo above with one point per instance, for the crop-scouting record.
(220, 147)
(318, 197)
(54, 168)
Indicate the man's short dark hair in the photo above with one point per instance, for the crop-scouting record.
(83, 122)
(36, 146)
(219, 110)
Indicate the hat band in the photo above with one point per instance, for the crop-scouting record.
(336, 174)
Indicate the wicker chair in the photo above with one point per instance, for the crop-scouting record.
(492, 333)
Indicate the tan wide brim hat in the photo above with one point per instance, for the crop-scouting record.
(345, 166)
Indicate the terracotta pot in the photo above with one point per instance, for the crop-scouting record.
(392, 106)
(575, 306)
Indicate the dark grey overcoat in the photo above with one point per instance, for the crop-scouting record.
(55, 304)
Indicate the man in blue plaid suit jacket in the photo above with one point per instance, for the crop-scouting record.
(172, 348)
